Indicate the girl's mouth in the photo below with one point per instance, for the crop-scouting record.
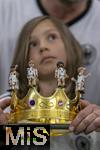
(47, 59)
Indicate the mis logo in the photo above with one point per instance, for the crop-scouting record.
(27, 135)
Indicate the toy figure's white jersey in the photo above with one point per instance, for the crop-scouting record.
(60, 73)
(32, 73)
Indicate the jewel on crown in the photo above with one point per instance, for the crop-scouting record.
(35, 108)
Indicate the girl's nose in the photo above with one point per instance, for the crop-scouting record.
(43, 49)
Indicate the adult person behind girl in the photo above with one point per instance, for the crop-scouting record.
(45, 37)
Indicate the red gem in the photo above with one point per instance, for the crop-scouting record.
(60, 103)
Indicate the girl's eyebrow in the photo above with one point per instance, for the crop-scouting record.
(51, 30)
(46, 31)
(32, 38)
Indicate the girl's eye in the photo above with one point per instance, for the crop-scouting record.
(33, 44)
(52, 37)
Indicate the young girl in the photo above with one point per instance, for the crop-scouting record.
(46, 41)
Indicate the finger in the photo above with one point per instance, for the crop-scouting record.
(1, 111)
(5, 103)
(3, 118)
(83, 114)
(98, 130)
(84, 103)
(85, 123)
(93, 126)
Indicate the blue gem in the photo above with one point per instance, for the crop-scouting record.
(32, 102)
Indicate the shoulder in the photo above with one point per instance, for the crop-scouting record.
(94, 10)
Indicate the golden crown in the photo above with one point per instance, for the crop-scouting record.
(56, 109)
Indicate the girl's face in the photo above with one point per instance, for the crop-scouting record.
(46, 48)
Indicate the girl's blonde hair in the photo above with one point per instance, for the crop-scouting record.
(73, 50)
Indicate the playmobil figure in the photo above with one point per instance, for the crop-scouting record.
(13, 78)
(32, 74)
(60, 74)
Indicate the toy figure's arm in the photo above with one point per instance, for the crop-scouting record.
(73, 79)
(89, 74)
(56, 73)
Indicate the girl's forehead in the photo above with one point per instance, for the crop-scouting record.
(44, 25)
